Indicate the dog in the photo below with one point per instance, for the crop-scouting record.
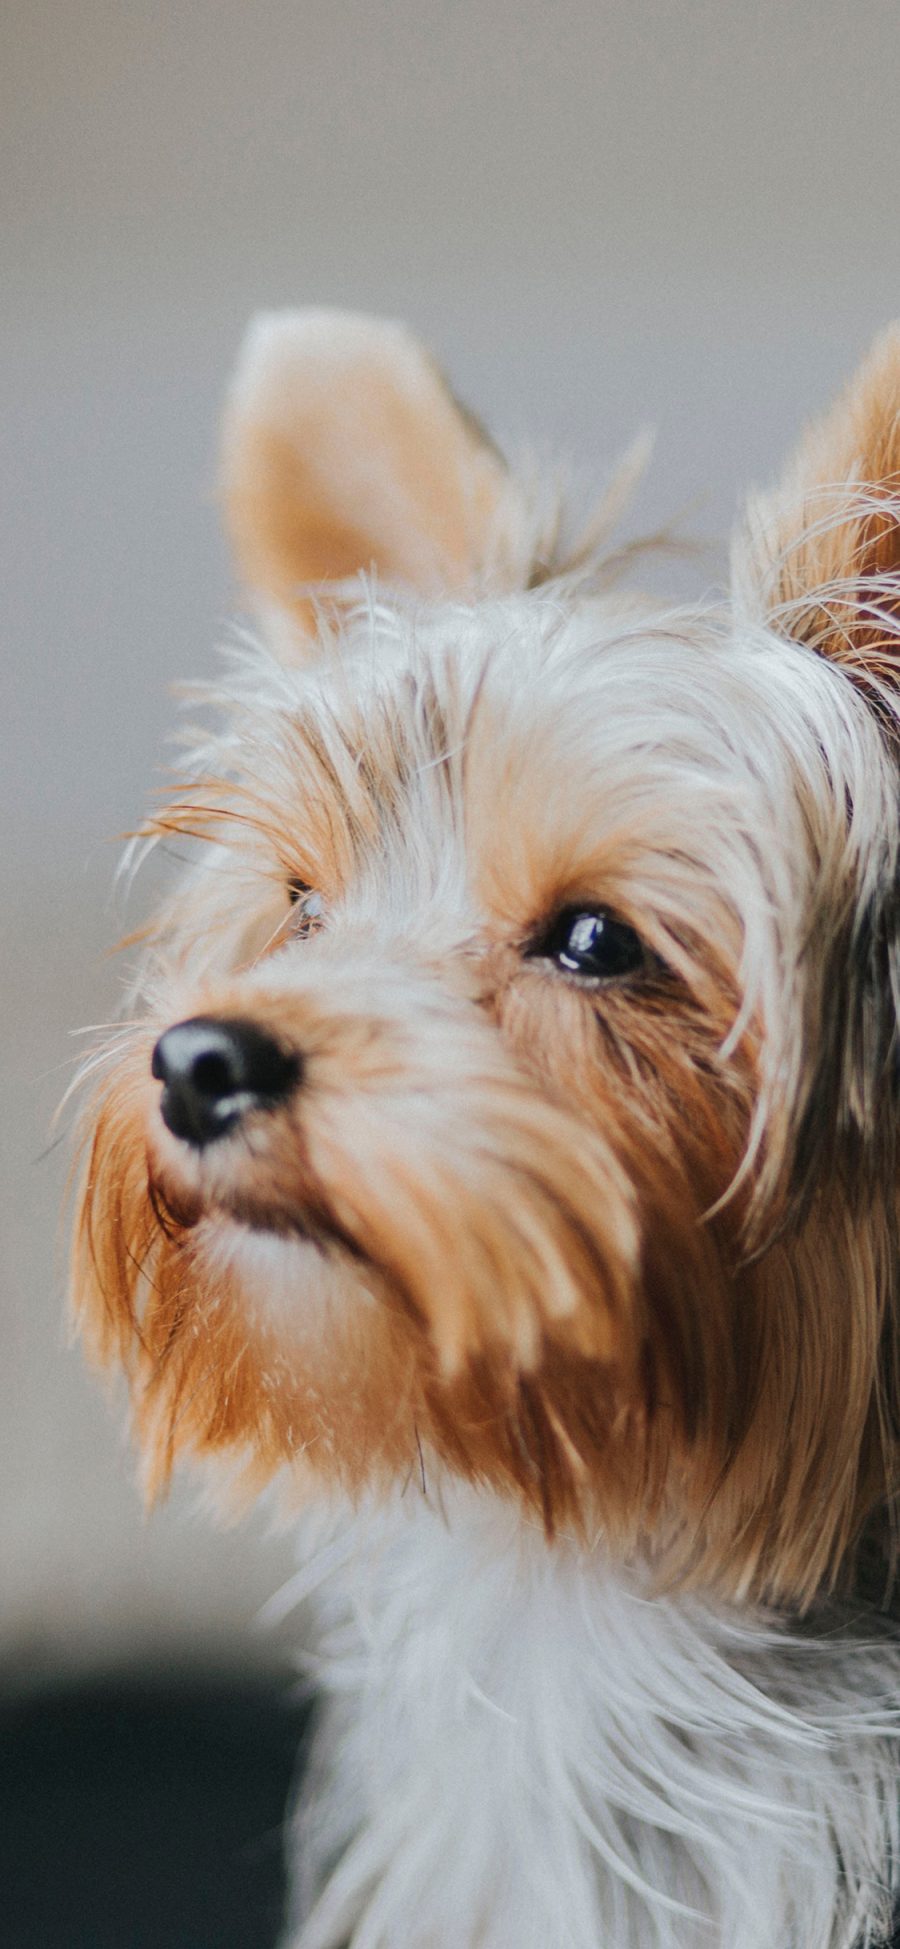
(501, 1159)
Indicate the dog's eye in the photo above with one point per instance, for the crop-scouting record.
(307, 904)
(592, 943)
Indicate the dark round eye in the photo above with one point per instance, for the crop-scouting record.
(592, 943)
(297, 890)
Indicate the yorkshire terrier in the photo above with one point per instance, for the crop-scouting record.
(503, 1157)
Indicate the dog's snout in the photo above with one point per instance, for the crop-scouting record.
(214, 1071)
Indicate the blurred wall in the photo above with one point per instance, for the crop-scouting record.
(602, 213)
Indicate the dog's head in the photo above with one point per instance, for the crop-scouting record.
(514, 1091)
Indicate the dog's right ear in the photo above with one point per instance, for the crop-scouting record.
(344, 451)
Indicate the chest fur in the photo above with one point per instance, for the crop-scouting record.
(522, 1748)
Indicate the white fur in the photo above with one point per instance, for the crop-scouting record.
(523, 1748)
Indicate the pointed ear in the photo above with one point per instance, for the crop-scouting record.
(819, 559)
(344, 451)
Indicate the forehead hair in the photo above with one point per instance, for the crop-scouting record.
(584, 741)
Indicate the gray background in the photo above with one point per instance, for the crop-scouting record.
(600, 215)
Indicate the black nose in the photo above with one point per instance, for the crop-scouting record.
(214, 1071)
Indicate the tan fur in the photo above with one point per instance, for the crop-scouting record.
(629, 1254)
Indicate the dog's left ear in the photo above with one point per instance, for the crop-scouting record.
(344, 451)
(819, 559)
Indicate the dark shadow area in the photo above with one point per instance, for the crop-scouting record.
(145, 1812)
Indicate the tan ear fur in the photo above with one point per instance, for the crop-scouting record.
(344, 451)
(820, 557)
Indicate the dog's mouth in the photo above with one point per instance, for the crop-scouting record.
(314, 1224)
(255, 1175)
(187, 1188)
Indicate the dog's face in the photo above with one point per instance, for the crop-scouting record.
(514, 1091)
